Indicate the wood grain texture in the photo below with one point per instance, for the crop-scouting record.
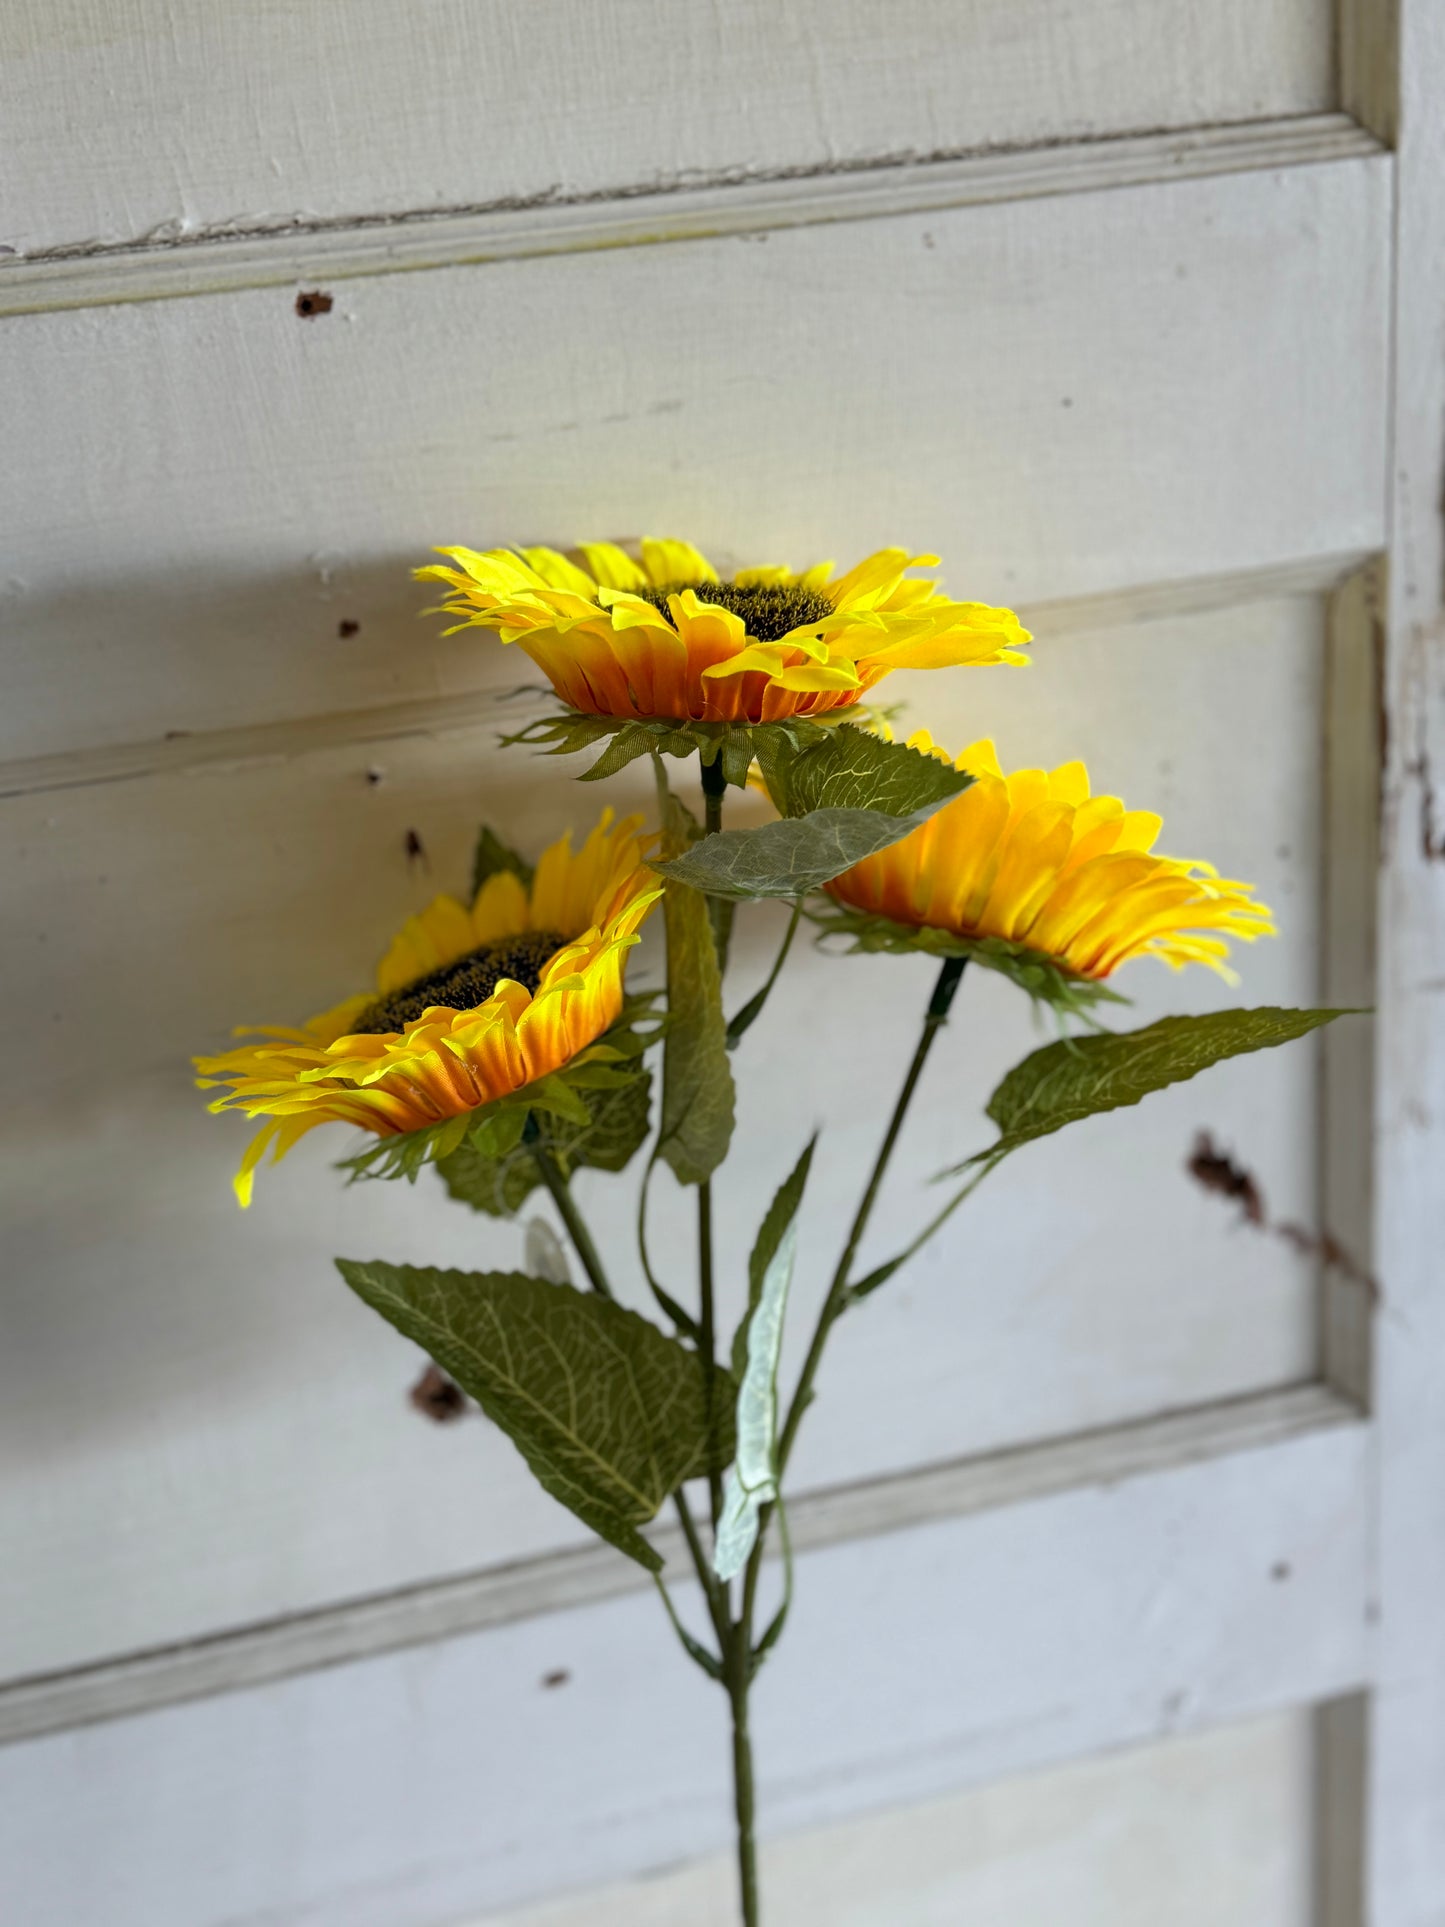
(1405, 1872)
(1174, 381)
(271, 112)
(1197, 1832)
(206, 1356)
(426, 1785)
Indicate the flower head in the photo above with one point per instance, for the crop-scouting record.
(665, 638)
(471, 1004)
(1035, 865)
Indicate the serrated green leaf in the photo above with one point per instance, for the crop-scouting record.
(843, 797)
(752, 1479)
(492, 856)
(852, 769)
(698, 1099)
(607, 1410)
(500, 1183)
(1082, 1076)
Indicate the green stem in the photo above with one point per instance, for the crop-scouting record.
(571, 1217)
(837, 1299)
(719, 909)
(707, 1340)
(884, 1272)
(738, 1680)
(753, 1008)
(934, 1019)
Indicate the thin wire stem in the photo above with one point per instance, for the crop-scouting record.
(934, 1019)
(753, 1008)
(707, 1340)
(571, 1217)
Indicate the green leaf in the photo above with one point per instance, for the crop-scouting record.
(500, 1184)
(852, 769)
(1082, 1076)
(492, 856)
(752, 1479)
(843, 798)
(607, 1410)
(698, 1098)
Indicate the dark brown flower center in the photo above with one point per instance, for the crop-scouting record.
(464, 984)
(770, 609)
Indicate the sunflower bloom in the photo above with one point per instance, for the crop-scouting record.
(666, 639)
(1033, 861)
(471, 1004)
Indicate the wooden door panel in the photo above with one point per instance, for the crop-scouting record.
(206, 1355)
(1099, 390)
(266, 114)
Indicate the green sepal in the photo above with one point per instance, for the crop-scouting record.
(500, 1184)
(842, 798)
(492, 856)
(494, 1131)
(1046, 981)
(609, 1412)
(738, 744)
(1083, 1076)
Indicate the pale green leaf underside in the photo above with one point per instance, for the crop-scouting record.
(607, 1410)
(790, 857)
(1081, 1077)
(842, 798)
(752, 1479)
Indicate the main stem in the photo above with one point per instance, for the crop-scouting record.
(737, 1634)
(739, 1679)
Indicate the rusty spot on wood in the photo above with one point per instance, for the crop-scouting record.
(559, 1676)
(1216, 1171)
(375, 777)
(312, 303)
(346, 627)
(416, 850)
(437, 1397)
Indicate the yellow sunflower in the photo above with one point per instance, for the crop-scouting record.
(1033, 861)
(665, 638)
(471, 1004)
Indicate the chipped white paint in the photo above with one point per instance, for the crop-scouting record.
(1404, 1876)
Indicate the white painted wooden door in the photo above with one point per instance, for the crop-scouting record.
(1132, 310)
